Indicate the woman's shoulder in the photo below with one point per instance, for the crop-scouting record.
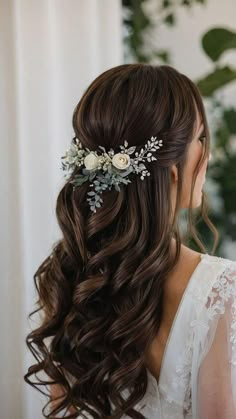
(191, 257)
(219, 262)
(215, 285)
(211, 275)
(217, 270)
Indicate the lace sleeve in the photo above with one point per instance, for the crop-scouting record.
(214, 384)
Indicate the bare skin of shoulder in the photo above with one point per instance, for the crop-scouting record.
(173, 292)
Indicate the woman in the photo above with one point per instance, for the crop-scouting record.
(139, 324)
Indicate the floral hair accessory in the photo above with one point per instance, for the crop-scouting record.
(107, 169)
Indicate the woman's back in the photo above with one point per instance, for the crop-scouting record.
(194, 376)
(174, 289)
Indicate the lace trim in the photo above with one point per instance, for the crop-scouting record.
(224, 289)
(233, 333)
(183, 370)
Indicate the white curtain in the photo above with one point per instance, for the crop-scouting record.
(50, 51)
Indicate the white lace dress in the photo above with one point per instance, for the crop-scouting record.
(198, 372)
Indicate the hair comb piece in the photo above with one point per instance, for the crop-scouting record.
(108, 169)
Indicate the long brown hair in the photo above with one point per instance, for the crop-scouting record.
(100, 291)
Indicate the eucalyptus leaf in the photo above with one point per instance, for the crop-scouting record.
(92, 176)
(131, 150)
(218, 40)
(222, 135)
(86, 171)
(126, 143)
(230, 119)
(170, 19)
(79, 180)
(102, 148)
(142, 167)
(125, 173)
(126, 181)
(110, 169)
(164, 55)
(166, 3)
(215, 80)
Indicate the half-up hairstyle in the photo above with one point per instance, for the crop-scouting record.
(100, 291)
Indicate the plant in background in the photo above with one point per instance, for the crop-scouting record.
(222, 168)
(137, 23)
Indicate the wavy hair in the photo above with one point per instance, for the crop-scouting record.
(100, 291)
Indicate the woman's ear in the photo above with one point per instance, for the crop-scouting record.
(174, 173)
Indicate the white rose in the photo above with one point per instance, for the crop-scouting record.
(121, 160)
(91, 161)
